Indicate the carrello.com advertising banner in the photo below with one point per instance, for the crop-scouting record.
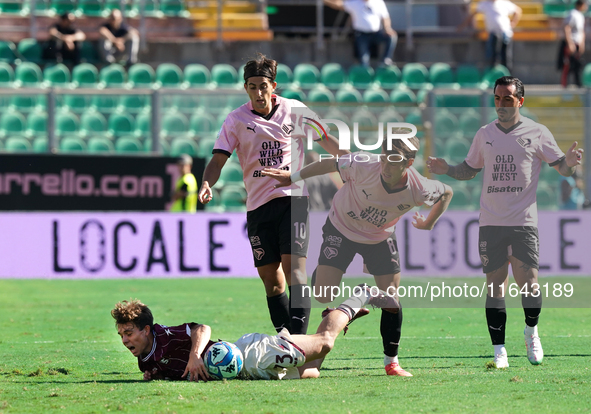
(111, 245)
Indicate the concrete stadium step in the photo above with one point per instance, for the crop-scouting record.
(231, 20)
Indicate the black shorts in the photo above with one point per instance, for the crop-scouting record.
(338, 251)
(278, 227)
(497, 243)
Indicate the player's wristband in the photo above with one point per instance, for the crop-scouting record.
(296, 176)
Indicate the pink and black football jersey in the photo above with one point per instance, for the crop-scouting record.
(170, 351)
(363, 210)
(277, 140)
(512, 160)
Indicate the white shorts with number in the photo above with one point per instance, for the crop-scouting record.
(270, 357)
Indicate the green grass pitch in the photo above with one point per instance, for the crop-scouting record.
(60, 353)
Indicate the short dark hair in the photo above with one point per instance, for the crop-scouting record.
(66, 16)
(399, 147)
(580, 3)
(511, 80)
(261, 65)
(133, 311)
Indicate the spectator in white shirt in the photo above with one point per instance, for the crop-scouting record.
(500, 17)
(573, 45)
(371, 26)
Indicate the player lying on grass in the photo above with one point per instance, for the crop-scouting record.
(378, 190)
(173, 352)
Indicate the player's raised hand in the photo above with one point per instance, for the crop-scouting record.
(574, 155)
(205, 193)
(197, 368)
(283, 176)
(420, 221)
(437, 165)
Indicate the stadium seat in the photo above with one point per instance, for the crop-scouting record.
(468, 76)
(348, 95)
(469, 122)
(76, 103)
(143, 124)
(100, 144)
(440, 74)
(23, 103)
(72, 144)
(240, 77)
(12, 123)
(37, 124)
(91, 8)
(284, 75)
(188, 103)
(320, 94)
(105, 103)
(305, 75)
(183, 145)
(415, 117)
(332, 75)
(224, 75)
(141, 75)
(169, 75)
(173, 124)
(85, 75)
(12, 7)
(549, 175)
(446, 124)
(546, 197)
(233, 198)
(390, 115)
(63, 6)
(173, 8)
(403, 96)
(17, 144)
(128, 144)
(121, 123)
(462, 198)
(28, 74)
(30, 50)
(361, 77)
(57, 75)
(6, 75)
(415, 75)
(587, 75)
(197, 76)
(202, 124)
(334, 113)
(93, 123)
(236, 100)
(293, 93)
(375, 96)
(7, 51)
(89, 54)
(493, 74)
(66, 123)
(40, 144)
(112, 76)
(457, 149)
(205, 147)
(231, 173)
(134, 103)
(42, 8)
(388, 77)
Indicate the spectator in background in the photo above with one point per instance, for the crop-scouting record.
(184, 198)
(500, 17)
(573, 46)
(120, 41)
(572, 196)
(64, 44)
(371, 26)
(321, 188)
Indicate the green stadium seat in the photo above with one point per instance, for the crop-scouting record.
(63, 6)
(76, 103)
(7, 51)
(28, 74)
(493, 74)
(169, 75)
(221, 117)
(361, 77)
(188, 103)
(93, 123)
(91, 8)
(12, 123)
(40, 144)
(6, 75)
(17, 144)
(293, 93)
(85, 75)
(415, 117)
(375, 96)
(12, 7)
(231, 173)
(415, 75)
(546, 197)
(88, 53)
(237, 100)
(440, 74)
(197, 76)
(66, 123)
(37, 124)
(284, 75)
(183, 145)
(120, 124)
(348, 95)
(388, 77)
(587, 75)
(141, 75)
(42, 8)
(332, 75)
(173, 8)
(174, 124)
(105, 103)
(423, 93)
(457, 149)
(23, 103)
(57, 75)
(320, 94)
(30, 50)
(72, 144)
(468, 76)
(462, 198)
(305, 75)
(143, 124)
(390, 115)
(446, 124)
(224, 75)
(206, 147)
(202, 124)
(403, 96)
(112, 76)
(128, 144)
(100, 145)
(470, 123)
(233, 198)
(134, 103)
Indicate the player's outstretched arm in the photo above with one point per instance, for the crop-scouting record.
(573, 157)
(331, 145)
(210, 176)
(460, 172)
(437, 210)
(286, 178)
(200, 336)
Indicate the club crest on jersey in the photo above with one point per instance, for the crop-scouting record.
(330, 252)
(288, 128)
(484, 259)
(258, 253)
(403, 206)
(524, 142)
(334, 240)
(255, 241)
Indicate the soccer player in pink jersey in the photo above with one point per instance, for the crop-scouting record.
(174, 352)
(378, 190)
(511, 150)
(271, 131)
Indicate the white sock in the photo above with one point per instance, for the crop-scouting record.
(531, 330)
(357, 302)
(500, 349)
(389, 360)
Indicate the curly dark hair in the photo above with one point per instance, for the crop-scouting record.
(133, 311)
(261, 65)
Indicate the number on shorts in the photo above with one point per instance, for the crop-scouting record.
(300, 230)
(391, 245)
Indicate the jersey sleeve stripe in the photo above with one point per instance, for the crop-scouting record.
(558, 161)
(221, 151)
